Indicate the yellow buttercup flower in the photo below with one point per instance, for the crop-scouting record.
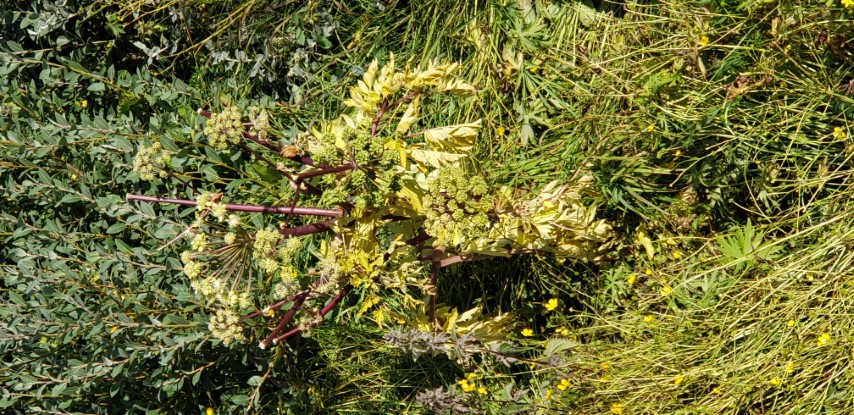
(677, 153)
(561, 331)
(500, 130)
(678, 380)
(704, 40)
(527, 332)
(563, 385)
(648, 271)
(617, 408)
(650, 128)
(790, 366)
(676, 255)
(549, 394)
(823, 339)
(717, 391)
(73, 176)
(209, 411)
(647, 318)
(632, 278)
(551, 304)
(665, 291)
(534, 69)
(790, 323)
(848, 3)
(775, 381)
(481, 390)
(839, 132)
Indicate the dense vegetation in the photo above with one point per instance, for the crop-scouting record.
(711, 139)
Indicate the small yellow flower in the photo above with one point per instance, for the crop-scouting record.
(470, 376)
(790, 323)
(650, 128)
(270, 313)
(648, 271)
(839, 132)
(676, 255)
(551, 304)
(605, 366)
(809, 277)
(561, 331)
(563, 385)
(533, 69)
(500, 130)
(73, 176)
(647, 318)
(527, 332)
(677, 153)
(84, 103)
(823, 339)
(717, 391)
(209, 411)
(665, 291)
(617, 408)
(549, 394)
(481, 390)
(678, 380)
(632, 278)
(848, 3)
(790, 366)
(704, 40)
(113, 329)
(775, 381)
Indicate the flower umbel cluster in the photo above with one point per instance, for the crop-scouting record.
(225, 325)
(150, 162)
(225, 128)
(271, 253)
(457, 207)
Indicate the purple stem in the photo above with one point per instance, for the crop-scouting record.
(309, 229)
(309, 211)
(285, 320)
(323, 312)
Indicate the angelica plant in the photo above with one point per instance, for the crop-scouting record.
(393, 199)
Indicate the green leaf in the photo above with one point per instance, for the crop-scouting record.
(96, 87)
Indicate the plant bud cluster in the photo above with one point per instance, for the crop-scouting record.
(225, 129)
(150, 162)
(272, 254)
(225, 325)
(373, 177)
(457, 207)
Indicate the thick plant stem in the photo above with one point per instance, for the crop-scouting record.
(274, 306)
(323, 312)
(285, 320)
(309, 229)
(307, 211)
